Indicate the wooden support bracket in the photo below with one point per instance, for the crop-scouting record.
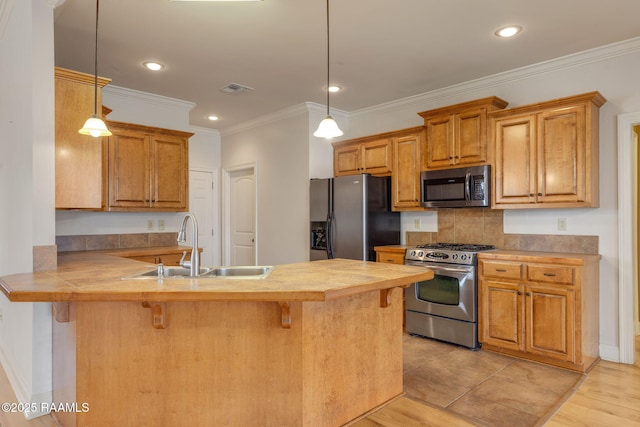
(60, 311)
(385, 295)
(285, 315)
(159, 310)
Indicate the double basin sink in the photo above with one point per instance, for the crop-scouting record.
(231, 272)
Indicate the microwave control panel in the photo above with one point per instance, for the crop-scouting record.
(478, 187)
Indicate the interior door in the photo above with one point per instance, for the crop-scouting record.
(242, 217)
(201, 205)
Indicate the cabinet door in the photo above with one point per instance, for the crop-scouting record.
(501, 314)
(405, 176)
(515, 160)
(169, 165)
(129, 168)
(439, 142)
(470, 133)
(346, 160)
(550, 321)
(376, 157)
(561, 155)
(78, 158)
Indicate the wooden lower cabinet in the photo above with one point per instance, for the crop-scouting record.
(390, 254)
(540, 306)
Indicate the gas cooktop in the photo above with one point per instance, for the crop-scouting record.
(468, 247)
(453, 253)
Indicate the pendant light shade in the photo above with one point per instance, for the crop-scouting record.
(94, 125)
(328, 128)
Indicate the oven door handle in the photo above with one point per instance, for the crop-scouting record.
(439, 268)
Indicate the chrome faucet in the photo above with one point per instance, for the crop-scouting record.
(194, 263)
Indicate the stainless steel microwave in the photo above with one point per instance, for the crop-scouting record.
(456, 188)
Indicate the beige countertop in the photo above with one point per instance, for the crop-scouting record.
(98, 276)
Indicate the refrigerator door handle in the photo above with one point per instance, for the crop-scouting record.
(330, 235)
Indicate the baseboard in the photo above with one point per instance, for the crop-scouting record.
(35, 401)
(610, 353)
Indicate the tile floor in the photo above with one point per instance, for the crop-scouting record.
(486, 388)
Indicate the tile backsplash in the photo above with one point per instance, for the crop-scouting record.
(92, 242)
(485, 226)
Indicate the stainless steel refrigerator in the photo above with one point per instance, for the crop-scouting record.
(350, 215)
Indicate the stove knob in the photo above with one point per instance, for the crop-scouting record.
(454, 256)
(413, 253)
(463, 257)
(420, 253)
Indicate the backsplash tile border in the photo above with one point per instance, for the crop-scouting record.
(92, 242)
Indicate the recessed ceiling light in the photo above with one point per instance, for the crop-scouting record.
(334, 88)
(153, 66)
(213, 118)
(508, 31)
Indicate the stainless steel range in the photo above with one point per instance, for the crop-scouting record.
(446, 307)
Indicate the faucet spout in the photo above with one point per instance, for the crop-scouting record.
(194, 263)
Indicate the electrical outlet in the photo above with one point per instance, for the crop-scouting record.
(161, 224)
(417, 223)
(149, 224)
(562, 224)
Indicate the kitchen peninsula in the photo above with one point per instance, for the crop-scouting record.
(313, 344)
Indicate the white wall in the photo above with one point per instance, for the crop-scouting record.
(280, 149)
(26, 189)
(612, 71)
(133, 106)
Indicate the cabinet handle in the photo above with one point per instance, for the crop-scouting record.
(501, 270)
(519, 293)
(539, 194)
(549, 274)
(530, 194)
(450, 158)
(528, 294)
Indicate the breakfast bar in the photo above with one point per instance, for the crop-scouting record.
(312, 344)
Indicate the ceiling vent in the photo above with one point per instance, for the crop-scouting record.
(235, 88)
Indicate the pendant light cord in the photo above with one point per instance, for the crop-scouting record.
(95, 65)
(328, 58)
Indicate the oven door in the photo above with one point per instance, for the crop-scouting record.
(451, 293)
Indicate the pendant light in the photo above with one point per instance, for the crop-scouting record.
(94, 125)
(328, 128)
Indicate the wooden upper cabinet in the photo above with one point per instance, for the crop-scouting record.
(363, 155)
(546, 154)
(78, 158)
(405, 176)
(457, 135)
(148, 168)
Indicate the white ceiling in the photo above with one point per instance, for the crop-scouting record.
(380, 50)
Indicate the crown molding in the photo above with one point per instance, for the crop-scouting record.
(565, 62)
(148, 98)
(294, 111)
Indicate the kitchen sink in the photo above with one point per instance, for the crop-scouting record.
(232, 272)
(168, 272)
(242, 272)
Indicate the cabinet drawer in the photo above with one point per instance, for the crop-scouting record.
(503, 270)
(551, 274)
(390, 257)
